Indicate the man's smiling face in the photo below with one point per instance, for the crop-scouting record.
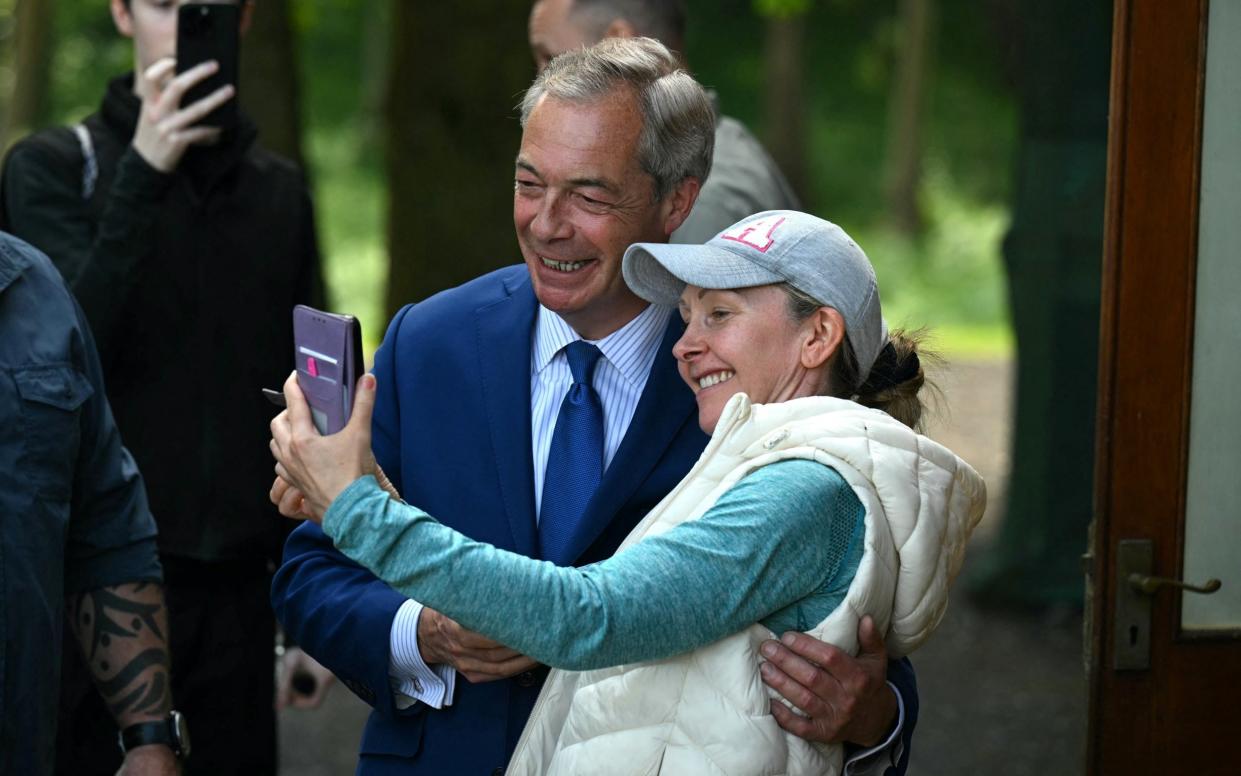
(581, 198)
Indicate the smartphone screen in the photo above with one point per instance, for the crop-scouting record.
(209, 31)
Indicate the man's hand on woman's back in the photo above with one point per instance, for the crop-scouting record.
(845, 698)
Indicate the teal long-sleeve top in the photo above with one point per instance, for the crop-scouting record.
(780, 547)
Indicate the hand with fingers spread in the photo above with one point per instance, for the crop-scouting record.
(845, 698)
(166, 129)
(319, 467)
(442, 639)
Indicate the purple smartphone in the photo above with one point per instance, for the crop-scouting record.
(328, 354)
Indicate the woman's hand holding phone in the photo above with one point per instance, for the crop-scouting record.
(165, 129)
(320, 467)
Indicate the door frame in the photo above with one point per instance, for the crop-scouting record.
(1137, 719)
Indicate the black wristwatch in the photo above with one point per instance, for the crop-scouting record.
(171, 731)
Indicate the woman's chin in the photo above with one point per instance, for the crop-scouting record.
(709, 415)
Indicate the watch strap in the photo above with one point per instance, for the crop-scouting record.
(160, 731)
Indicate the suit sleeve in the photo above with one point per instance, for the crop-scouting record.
(336, 610)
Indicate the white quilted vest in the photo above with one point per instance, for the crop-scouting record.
(707, 711)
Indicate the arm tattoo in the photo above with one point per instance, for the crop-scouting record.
(120, 632)
(106, 607)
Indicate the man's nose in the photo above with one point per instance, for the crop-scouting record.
(549, 222)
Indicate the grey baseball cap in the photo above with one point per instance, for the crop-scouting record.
(776, 246)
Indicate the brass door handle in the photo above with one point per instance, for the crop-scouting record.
(1149, 585)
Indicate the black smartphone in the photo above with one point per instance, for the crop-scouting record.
(210, 31)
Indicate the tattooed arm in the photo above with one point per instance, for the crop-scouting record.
(123, 633)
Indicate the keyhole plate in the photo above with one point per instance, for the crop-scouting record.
(1132, 643)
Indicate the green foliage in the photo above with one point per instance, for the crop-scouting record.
(88, 52)
(781, 9)
(951, 280)
(349, 205)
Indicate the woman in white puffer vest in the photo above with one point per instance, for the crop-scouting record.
(809, 508)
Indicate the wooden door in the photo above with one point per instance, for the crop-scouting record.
(1181, 714)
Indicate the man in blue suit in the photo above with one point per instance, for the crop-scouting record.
(615, 146)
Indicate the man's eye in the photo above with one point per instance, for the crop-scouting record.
(719, 315)
(525, 185)
(591, 202)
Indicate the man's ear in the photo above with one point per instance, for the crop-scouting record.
(824, 333)
(678, 204)
(620, 28)
(247, 16)
(121, 18)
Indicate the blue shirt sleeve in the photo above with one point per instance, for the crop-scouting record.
(768, 543)
(111, 538)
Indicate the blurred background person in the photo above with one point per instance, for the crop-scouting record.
(187, 247)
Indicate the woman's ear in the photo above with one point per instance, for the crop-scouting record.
(825, 330)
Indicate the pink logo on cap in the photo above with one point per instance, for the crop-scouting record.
(759, 234)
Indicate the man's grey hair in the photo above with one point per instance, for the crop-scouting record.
(663, 20)
(678, 122)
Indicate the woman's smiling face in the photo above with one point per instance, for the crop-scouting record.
(743, 340)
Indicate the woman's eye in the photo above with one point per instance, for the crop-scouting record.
(718, 315)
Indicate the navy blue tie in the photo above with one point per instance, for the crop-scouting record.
(575, 462)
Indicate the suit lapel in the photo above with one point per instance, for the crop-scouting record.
(504, 331)
(661, 412)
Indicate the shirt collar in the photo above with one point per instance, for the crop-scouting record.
(628, 348)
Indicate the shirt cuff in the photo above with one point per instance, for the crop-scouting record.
(877, 759)
(412, 679)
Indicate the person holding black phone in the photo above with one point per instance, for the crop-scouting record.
(187, 245)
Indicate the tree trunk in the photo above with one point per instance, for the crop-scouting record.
(32, 58)
(784, 103)
(451, 136)
(375, 58)
(906, 108)
(269, 85)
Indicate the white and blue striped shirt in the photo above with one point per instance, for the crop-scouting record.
(619, 378)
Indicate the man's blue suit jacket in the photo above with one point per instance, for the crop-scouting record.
(452, 431)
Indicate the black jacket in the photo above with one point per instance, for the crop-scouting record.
(188, 281)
